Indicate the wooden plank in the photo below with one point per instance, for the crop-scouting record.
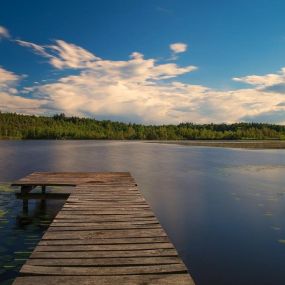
(103, 254)
(82, 218)
(103, 214)
(103, 227)
(105, 234)
(151, 279)
(113, 270)
(112, 204)
(104, 241)
(107, 212)
(102, 223)
(104, 261)
(102, 218)
(103, 247)
(116, 210)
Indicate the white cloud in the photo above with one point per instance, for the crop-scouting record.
(155, 102)
(263, 80)
(62, 55)
(178, 47)
(141, 89)
(4, 33)
(125, 89)
(10, 100)
(70, 56)
(7, 79)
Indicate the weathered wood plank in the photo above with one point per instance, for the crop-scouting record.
(103, 223)
(104, 219)
(103, 254)
(108, 205)
(98, 213)
(103, 247)
(113, 270)
(82, 218)
(102, 227)
(158, 279)
(104, 241)
(105, 234)
(116, 211)
(118, 261)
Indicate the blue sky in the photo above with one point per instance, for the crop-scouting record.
(118, 59)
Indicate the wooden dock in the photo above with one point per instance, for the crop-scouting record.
(105, 233)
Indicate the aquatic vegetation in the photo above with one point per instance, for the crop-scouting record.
(2, 214)
(4, 187)
(17, 239)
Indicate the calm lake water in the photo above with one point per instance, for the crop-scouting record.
(222, 208)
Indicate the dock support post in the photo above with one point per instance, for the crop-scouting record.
(25, 189)
(25, 207)
(43, 189)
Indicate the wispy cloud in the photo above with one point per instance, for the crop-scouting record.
(36, 48)
(61, 54)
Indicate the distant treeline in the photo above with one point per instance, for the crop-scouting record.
(15, 126)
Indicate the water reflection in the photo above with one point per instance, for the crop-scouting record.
(21, 229)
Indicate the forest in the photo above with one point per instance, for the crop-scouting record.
(59, 126)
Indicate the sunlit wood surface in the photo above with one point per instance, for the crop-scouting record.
(105, 233)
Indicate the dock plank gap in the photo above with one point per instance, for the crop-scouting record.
(105, 233)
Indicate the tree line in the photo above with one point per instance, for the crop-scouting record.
(17, 126)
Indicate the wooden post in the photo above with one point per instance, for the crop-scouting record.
(25, 189)
(43, 189)
(25, 206)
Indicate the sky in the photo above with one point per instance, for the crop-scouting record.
(151, 61)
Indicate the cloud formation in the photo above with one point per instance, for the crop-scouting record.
(178, 47)
(7, 78)
(263, 80)
(10, 99)
(62, 55)
(138, 89)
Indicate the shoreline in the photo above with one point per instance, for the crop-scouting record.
(243, 144)
(251, 144)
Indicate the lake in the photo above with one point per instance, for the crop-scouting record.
(222, 208)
